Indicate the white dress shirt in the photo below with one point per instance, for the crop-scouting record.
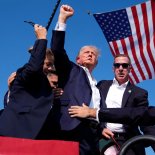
(114, 100)
(95, 100)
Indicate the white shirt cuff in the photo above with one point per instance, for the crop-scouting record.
(60, 27)
(97, 118)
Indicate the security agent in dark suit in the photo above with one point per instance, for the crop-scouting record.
(31, 96)
(48, 69)
(132, 96)
(121, 93)
(75, 80)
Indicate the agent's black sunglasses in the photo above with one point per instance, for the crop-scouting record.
(124, 65)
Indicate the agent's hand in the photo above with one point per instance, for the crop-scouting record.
(66, 11)
(82, 111)
(40, 31)
(107, 133)
(57, 92)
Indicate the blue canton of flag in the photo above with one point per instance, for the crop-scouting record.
(132, 31)
(115, 25)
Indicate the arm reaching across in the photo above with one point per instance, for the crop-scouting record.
(139, 115)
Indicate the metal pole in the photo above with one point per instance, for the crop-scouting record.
(50, 19)
(52, 15)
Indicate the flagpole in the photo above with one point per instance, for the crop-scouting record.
(52, 15)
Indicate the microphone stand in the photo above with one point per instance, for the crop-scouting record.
(52, 15)
(50, 19)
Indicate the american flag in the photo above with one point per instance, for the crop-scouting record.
(132, 31)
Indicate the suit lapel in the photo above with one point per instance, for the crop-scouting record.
(106, 88)
(127, 93)
(104, 91)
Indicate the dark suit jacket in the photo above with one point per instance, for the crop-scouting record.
(133, 97)
(128, 115)
(30, 99)
(73, 80)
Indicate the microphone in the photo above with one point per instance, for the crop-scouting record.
(30, 22)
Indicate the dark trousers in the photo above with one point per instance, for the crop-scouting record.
(87, 137)
(85, 133)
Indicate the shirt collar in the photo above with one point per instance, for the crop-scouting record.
(90, 77)
(115, 82)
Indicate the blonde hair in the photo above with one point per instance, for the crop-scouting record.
(95, 49)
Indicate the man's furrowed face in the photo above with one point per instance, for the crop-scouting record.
(87, 58)
(48, 65)
(122, 69)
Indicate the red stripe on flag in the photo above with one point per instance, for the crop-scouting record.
(140, 43)
(153, 19)
(115, 47)
(130, 79)
(135, 57)
(126, 52)
(147, 33)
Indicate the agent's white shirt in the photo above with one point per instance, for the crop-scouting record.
(114, 100)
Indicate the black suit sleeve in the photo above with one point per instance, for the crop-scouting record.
(132, 116)
(62, 63)
(35, 63)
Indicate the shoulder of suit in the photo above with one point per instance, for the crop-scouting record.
(139, 89)
(103, 82)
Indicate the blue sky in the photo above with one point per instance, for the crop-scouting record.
(82, 29)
